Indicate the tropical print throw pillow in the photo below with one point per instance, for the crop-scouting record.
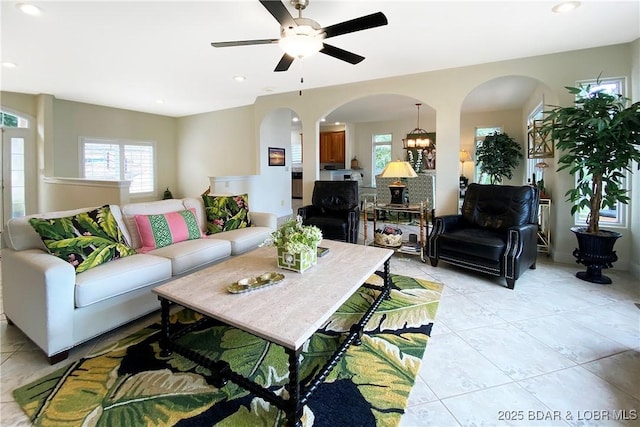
(158, 231)
(226, 213)
(85, 240)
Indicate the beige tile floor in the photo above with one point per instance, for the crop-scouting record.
(554, 351)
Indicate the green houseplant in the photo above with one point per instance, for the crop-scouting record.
(498, 156)
(598, 138)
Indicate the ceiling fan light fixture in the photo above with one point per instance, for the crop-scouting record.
(303, 40)
(301, 37)
(300, 45)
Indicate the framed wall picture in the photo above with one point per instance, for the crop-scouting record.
(276, 156)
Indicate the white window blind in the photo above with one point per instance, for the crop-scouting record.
(296, 153)
(120, 160)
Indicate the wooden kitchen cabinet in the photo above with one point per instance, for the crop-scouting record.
(332, 147)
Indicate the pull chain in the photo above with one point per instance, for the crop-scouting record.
(301, 77)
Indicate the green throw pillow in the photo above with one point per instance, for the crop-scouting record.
(226, 213)
(85, 240)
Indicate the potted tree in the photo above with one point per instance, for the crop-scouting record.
(598, 138)
(498, 156)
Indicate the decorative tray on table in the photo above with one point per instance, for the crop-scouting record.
(252, 283)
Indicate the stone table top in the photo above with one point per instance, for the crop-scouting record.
(286, 313)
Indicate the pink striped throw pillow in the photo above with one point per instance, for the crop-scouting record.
(158, 231)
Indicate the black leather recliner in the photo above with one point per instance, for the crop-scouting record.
(496, 232)
(334, 209)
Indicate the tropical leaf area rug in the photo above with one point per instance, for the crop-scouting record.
(130, 384)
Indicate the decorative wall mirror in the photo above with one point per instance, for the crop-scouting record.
(540, 143)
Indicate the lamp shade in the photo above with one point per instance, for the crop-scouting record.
(398, 169)
(464, 156)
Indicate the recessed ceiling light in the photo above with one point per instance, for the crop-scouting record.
(239, 78)
(323, 119)
(159, 101)
(29, 9)
(295, 119)
(9, 65)
(565, 6)
(337, 123)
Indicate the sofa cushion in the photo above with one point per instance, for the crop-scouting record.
(480, 243)
(84, 240)
(157, 231)
(129, 212)
(225, 213)
(190, 254)
(119, 277)
(244, 239)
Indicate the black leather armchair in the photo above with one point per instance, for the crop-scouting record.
(334, 209)
(495, 234)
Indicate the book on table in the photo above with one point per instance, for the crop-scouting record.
(410, 247)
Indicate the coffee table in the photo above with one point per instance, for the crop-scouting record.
(287, 313)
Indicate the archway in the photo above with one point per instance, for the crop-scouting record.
(380, 115)
(506, 104)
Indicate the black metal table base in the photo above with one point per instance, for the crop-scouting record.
(299, 395)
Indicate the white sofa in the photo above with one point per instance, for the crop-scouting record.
(59, 309)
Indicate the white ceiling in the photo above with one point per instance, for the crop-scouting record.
(130, 54)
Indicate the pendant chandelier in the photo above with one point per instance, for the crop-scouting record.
(418, 138)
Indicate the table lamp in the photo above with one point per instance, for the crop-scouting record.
(464, 157)
(398, 169)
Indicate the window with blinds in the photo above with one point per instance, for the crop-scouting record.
(120, 160)
(296, 153)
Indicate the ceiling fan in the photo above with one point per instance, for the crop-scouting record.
(301, 37)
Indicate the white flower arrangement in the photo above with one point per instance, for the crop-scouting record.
(294, 237)
(415, 164)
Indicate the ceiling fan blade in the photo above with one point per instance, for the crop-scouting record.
(285, 63)
(243, 42)
(342, 54)
(363, 23)
(280, 12)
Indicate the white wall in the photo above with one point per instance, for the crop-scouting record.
(61, 194)
(220, 143)
(275, 181)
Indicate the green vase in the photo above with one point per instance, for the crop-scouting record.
(296, 262)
